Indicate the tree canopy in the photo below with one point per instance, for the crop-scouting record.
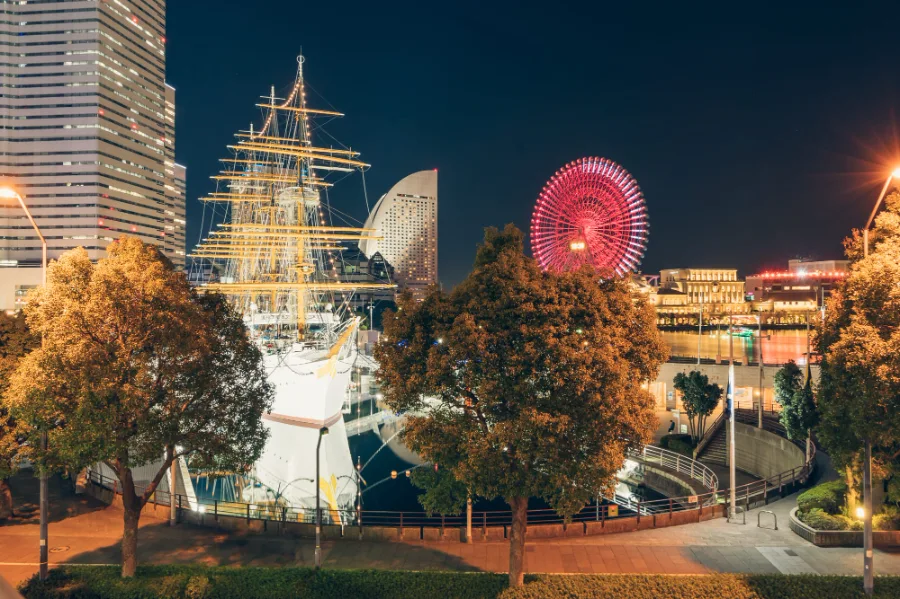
(859, 339)
(524, 383)
(136, 369)
(16, 340)
(699, 398)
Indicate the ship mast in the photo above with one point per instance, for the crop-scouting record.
(276, 245)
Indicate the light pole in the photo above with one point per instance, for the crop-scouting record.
(730, 398)
(700, 329)
(715, 288)
(9, 193)
(868, 555)
(322, 432)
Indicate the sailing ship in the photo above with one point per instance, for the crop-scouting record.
(277, 251)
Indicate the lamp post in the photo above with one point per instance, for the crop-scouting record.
(9, 193)
(730, 398)
(322, 432)
(700, 329)
(868, 555)
(715, 288)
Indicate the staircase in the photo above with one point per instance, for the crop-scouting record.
(715, 451)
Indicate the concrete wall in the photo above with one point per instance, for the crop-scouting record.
(764, 454)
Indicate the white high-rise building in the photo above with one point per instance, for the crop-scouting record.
(406, 219)
(85, 129)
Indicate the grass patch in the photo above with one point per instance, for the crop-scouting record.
(196, 582)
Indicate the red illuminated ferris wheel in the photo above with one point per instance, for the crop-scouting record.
(590, 212)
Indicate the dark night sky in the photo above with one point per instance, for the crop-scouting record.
(755, 136)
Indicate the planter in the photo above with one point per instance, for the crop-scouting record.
(884, 539)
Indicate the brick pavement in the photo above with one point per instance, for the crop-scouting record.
(84, 531)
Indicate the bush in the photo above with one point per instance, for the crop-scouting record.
(828, 497)
(888, 519)
(248, 583)
(679, 444)
(821, 520)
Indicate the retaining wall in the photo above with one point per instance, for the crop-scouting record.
(764, 454)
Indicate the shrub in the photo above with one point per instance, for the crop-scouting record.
(888, 519)
(821, 520)
(828, 497)
(275, 583)
(678, 443)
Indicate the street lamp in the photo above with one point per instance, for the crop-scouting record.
(868, 555)
(322, 432)
(9, 193)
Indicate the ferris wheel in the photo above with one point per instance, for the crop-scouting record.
(590, 212)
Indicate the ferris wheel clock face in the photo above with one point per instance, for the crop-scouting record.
(590, 212)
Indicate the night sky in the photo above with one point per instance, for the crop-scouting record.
(756, 134)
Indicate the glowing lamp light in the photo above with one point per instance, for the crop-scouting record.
(896, 173)
(8, 193)
(860, 512)
(576, 246)
(393, 474)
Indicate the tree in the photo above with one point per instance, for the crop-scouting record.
(859, 340)
(443, 494)
(700, 398)
(135, 370)
(524, 383)
(15, 341)
(788, 381)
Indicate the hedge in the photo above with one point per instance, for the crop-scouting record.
(821, 520)
(828, 497)
(678, 443)
(196, 582)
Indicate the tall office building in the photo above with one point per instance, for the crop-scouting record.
(85, 128)
(406, 219)
(175, 189)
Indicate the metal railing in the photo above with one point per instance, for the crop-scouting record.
(747, 495)
(680, 463)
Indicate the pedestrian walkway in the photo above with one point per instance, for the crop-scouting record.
(84, 531)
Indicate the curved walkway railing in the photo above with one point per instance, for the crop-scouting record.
(681, 464)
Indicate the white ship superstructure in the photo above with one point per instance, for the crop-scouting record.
(277, 250)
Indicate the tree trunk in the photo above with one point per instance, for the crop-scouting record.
(132, 504)
(519, 507)
(6, 500)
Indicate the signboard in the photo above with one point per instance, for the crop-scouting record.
(692, 499)
(683, 429)
(676, 413)
(612, 511)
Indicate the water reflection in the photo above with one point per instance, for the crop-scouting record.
(777, 346)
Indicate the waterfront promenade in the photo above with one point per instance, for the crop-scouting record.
(85, 531)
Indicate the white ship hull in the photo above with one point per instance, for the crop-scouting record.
(310, 389)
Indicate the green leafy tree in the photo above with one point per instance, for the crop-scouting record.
(799, 413)
(135, 369)
(859, 340)
(15, 341)
(699, 398)
(788, 381)
(524, 383)
(442, 492)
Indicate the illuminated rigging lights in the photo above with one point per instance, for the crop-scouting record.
(590, 212)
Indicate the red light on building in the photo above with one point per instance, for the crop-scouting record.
(100, 222)
(101, 112)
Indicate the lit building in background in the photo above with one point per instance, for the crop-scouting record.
(86, 133)
(406, 220)
(790, 295)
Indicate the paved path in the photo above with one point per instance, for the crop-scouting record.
(85, 531)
